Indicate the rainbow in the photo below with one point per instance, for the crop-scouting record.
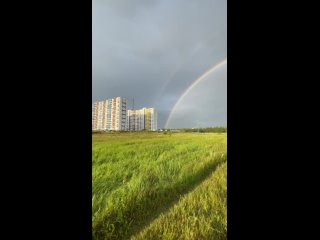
(176, 70)
(194, 83)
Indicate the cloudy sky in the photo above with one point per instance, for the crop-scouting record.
(153, 50)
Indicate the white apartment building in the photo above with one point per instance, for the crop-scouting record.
(110, 114)
(135, 120)
(142, 119)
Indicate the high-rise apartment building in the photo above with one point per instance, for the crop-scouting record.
(94, 116)
(110, 114)
(142, 119)
(150, 120)
(135, 120)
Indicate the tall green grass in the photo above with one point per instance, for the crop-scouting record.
(201, 214)
(137, 176)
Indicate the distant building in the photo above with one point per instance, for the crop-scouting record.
(142, 119)
(135, 120)
(110, 114)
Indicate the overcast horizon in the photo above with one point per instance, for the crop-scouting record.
(152, 51)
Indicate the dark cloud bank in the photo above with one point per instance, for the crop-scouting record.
(153, 50)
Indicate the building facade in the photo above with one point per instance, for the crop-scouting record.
(135, 120)
(110, 114)
(142, 119)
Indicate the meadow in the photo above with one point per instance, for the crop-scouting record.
(151, 185)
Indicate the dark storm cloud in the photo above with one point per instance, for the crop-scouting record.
(152, 50)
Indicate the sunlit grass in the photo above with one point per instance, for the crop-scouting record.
(201, 214)
(138, 176)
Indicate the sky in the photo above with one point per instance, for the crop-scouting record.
(152, 51)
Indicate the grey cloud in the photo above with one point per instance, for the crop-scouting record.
(205, 103)
(153, 50)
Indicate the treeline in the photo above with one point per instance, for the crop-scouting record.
(109, 131)
(208, 129)
(201, 130)
(121, 131)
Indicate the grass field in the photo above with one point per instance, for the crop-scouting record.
(157, 186)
